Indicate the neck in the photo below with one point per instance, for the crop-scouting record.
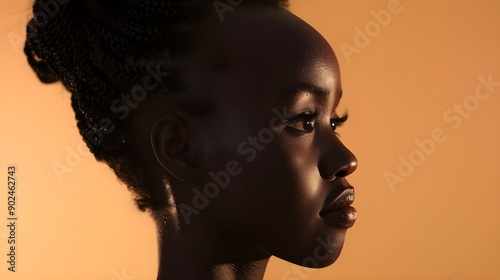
(187, 269)
(196, 254)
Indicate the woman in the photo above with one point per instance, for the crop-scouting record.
(220, 117)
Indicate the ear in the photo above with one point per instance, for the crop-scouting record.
(170, 140)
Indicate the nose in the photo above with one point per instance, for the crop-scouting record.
(337, 162)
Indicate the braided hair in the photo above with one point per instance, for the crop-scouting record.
(98, 49)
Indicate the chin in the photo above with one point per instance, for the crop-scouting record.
(322, 261)
(324, 252)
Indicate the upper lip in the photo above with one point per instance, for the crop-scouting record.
(342, 197)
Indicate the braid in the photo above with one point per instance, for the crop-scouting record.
(96, 49)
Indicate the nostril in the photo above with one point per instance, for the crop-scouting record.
(346, 170)
(341, 173)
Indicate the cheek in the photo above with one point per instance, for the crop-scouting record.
(263, 173)
(274, 188)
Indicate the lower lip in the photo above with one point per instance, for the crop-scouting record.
(343, 217)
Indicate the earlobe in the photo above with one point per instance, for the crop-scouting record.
(170, 140)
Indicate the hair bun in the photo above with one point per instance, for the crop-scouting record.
(42, 69)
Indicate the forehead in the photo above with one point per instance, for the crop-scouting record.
(272, 38)
(262, 52)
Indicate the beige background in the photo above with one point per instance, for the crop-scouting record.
(440, 223)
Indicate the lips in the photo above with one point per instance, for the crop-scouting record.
(343, 199)
(338, 212)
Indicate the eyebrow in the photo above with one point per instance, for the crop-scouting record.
(304, 87)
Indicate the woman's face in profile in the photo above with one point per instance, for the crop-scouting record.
(271, 165)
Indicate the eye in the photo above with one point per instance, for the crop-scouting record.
(337, 121)
(303, 123)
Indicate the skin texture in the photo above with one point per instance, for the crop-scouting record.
(238, 71)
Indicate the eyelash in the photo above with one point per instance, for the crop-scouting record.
(310, 118)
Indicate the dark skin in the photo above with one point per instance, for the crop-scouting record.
(240, 70)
